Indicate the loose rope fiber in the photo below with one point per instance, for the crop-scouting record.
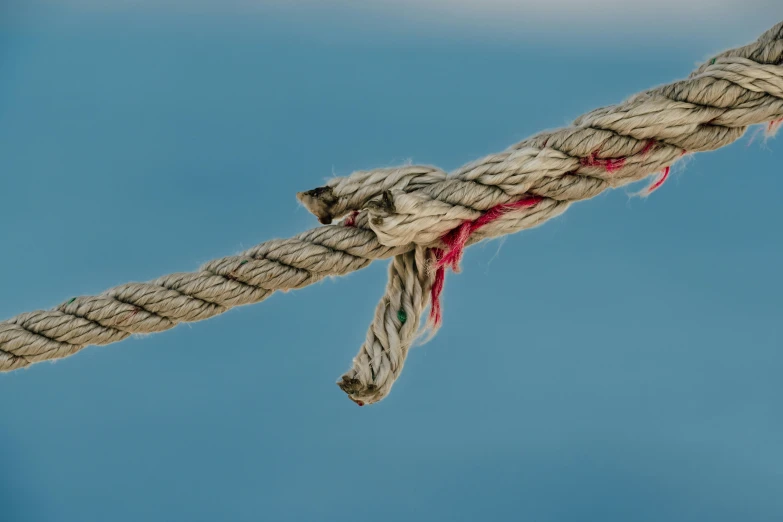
(423, 218)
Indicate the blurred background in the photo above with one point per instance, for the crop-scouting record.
(631, 373)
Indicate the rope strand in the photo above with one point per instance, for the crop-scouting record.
(424, 218)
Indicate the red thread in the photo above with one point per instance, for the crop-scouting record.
(455, 241)
(132, 314)
(659, 181)
(350, 221)
(648, 147)
(773, 126)
(437, 288)
(609, 164)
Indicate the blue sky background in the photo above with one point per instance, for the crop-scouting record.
(630, 372)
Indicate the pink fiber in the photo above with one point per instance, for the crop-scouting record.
(455, 241)
(648, 147)
(773, 127)
(350, 221)
(659, 181)
(610, 164)
(437, 288)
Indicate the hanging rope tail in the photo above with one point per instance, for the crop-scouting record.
(423, 219)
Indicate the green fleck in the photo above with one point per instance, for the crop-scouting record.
(402, 316)
(71, 301)
(712, 61)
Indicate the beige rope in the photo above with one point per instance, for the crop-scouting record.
(406, 212)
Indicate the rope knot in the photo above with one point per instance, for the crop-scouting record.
(422, 207)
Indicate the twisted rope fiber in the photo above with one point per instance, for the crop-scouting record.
(424, 218)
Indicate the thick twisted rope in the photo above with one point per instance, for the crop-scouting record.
(424, 218)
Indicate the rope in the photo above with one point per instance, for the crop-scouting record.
(423, 218)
